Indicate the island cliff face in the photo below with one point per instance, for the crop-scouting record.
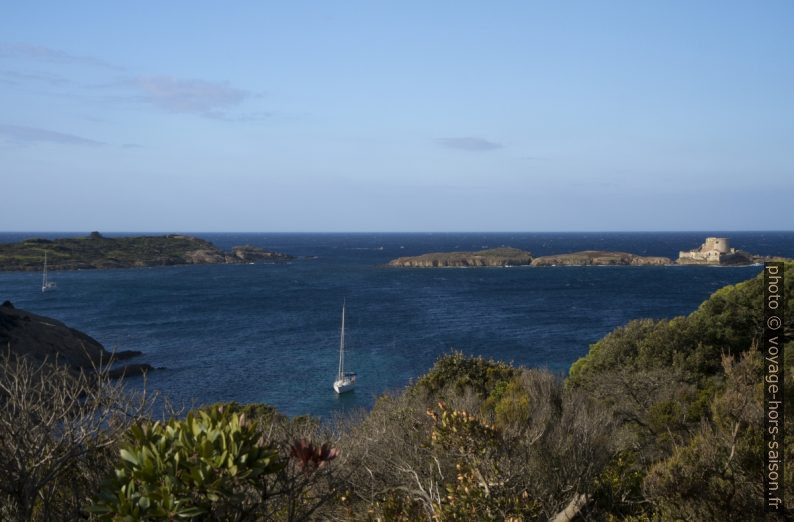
(597, 257)
(97, 251)
(490, 257)
(45, 339)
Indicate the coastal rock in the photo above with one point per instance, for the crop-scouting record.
(651, 260)
(735, 258)
(491, 257)
(43, 338)
(205, 256)
(252, 254)
(598, 257)
(129, 370)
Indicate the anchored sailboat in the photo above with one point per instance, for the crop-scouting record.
(344, 382)
(46, 285)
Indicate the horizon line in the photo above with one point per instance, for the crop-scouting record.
(583, 231)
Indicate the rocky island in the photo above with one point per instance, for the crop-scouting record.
(45, 339)
(507, 256)
(598, 257)
(714, 251)
(98, 251)
(491, 257)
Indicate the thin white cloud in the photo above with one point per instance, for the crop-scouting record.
(30, 135)
(245, 117)
(49, 55)
(213, 100)
(190, 96)
(469, 143)
(26, 77)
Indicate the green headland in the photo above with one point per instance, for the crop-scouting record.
(98, 251)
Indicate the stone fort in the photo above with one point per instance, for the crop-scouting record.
(714, 250)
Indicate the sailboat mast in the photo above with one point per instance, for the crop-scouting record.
(342, 346)
(44, 275)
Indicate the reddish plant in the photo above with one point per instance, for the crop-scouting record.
(307, 453)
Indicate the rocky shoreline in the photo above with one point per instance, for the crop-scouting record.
(98, 252)
(738, 258)
(600, 258)
(44, 339)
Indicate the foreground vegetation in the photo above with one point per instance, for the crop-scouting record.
(660, 421)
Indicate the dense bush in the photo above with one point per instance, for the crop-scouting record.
(58, 432)
(455, 374)
(413, 459)
(717, 474)
(208, 464)
(686, 395)
(220, 464)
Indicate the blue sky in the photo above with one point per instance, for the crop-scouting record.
(399, 116)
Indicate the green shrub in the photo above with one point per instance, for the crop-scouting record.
(618, 489)
(202, 465)
(455, 373)
(479, 490)
(508, 404)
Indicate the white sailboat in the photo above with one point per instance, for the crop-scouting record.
(46, 285)
(344, 382)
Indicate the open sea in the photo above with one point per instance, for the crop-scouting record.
(270, 332)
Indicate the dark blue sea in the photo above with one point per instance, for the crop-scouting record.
(270, 332)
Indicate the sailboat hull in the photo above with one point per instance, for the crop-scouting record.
(344, 386)
(345, 383)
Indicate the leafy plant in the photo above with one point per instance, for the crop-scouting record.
(202, 465)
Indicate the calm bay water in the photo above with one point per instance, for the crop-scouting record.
(269, 333)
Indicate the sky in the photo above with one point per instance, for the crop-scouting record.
(396, 116)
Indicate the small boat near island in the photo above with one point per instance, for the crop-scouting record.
(345, 381)
(46, 284)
